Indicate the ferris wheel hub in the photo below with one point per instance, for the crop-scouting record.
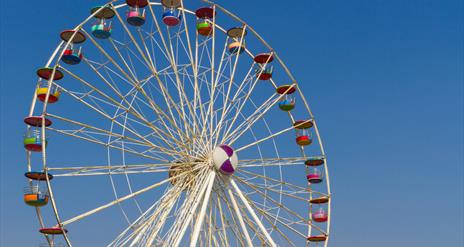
(225, 159)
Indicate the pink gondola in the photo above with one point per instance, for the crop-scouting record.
(320, 216)
(135, 16)
(314, 177)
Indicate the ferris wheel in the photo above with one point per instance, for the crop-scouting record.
(186, 124)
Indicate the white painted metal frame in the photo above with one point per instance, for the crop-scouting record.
(185, 128)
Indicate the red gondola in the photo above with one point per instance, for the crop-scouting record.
(303, 135)
(264, 71)
(73, 53)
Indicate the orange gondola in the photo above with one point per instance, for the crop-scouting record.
(314, 177)
(35, 196)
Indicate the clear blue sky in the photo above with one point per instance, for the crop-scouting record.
(386, 84)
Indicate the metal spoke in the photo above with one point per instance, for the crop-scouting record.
(119, 200)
